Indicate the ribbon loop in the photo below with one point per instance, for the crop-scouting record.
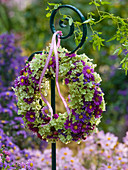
(54, 47)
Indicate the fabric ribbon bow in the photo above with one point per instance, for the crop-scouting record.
(54, 47)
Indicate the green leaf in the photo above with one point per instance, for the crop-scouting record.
(64, 16)
(111, 39)
(47, 8)
(48, 14)
(51, 4)
(120, 51)
(89, 20)
(99, 32)
(123, 40)
(77, 23)
(116, 51)
(105, 2)
(70, 21)
(97, 41)
(56, 6)
(91, 13)
(122, 61)
(96, 4)
(90, 3)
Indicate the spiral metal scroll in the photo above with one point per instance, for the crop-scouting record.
(71, 27)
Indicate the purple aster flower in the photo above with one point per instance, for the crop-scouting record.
(98, 112)
(84, 127)
(26, 154)
(45, 110)
(12, 106)
(52, 63)
(35, 80)
(6, 110)
(90, 108)
(70, 55)
(86, 103)
(16, 83)
(29, 100)
(97, 99)
(76, 137)
(30, 116)
(66, 81)
(68, 124)
(87, 115)
(69, 72)
(22, 71)
(68, 99)
(87, 71)
(31, 127)
(81, 117)
(56, 116)
(73, 112)
(76, 127)
(7, 94)
(95, 85)
(24, 81)
(4, 121)
(75, 79)
(26, 70)
(78, 74)
(9, 143)
(22, 165)
(22, 132)
(86, 80)
(16, 126)
(46, 120)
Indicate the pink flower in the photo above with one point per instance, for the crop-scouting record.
(108, 141)
(45, 110)
(30, 165)
(7, 158)
(121, 149)
(90, 149)
(107, 155)
(108, 167)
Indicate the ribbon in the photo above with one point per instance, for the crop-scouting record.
(54, 47)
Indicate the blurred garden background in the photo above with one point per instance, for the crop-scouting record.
(24, 29)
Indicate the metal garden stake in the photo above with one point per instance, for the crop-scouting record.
(62, 37)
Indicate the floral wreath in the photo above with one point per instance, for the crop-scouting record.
(85, 102)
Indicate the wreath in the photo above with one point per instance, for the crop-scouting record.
(85, 102)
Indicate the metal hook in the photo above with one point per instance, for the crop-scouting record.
(71, 27)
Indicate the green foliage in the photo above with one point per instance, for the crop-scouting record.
(97, 41)
(121, 35)
(124, 63)
(51, 7)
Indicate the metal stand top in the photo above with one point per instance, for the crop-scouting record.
(62, 25)
(71, 26)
